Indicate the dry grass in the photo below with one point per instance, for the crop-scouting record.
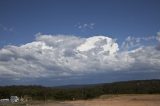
(113, 100)
(121, 100)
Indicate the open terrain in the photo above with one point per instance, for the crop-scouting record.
(128, 93)
(112, 100)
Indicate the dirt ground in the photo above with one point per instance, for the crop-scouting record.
(113, 100)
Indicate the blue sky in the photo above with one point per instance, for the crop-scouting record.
(50, 40)
(116, 18)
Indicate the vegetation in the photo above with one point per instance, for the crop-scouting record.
(82, 92)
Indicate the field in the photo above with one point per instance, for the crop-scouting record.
(111, 100)
(105, 100)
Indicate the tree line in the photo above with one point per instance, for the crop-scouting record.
(82, 92)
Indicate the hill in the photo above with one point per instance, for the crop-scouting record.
(82, 91)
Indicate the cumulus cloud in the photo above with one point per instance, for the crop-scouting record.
(60, 56)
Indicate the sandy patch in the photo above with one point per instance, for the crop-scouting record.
(113, 100)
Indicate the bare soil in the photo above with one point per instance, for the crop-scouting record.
(112, 100)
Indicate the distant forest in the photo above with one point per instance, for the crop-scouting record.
(82, 91)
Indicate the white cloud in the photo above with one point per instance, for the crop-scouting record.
(100, 44)
(59, 56)
(85, 26)
(130, 43)
(158, 36)
(135, 42)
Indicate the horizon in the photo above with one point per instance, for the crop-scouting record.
(81, 85)
(56, 42)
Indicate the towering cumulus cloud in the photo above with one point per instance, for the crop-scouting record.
(61, 56)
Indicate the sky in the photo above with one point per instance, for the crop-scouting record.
(60, 42)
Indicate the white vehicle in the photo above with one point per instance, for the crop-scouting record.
(4, 100)
(14, 99)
